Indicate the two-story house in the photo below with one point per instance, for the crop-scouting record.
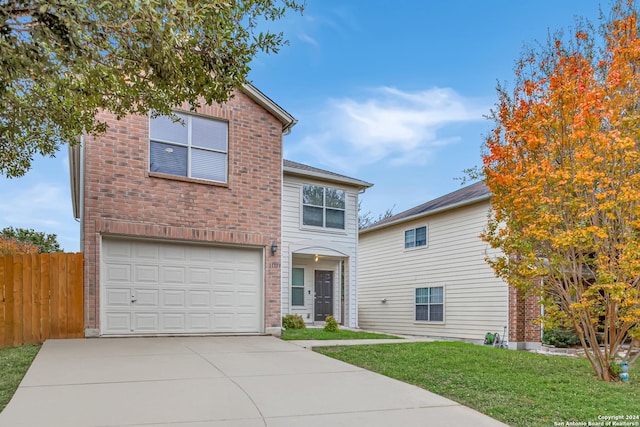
(181, 223)
(423, 272)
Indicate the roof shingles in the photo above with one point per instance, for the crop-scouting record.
(306, 169)
(477, 191)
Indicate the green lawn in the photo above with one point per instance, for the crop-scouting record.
(14, 362)
(321, 334)
(518, 388)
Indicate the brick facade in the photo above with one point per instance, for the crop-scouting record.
(121, 196)
(524, 331)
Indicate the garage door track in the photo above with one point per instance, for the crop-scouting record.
(249, 381)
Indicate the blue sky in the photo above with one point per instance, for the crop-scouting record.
(391, 92)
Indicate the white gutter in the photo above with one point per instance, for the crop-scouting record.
(288, 121)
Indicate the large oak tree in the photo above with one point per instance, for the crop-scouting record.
(563, 164)
(63, 60)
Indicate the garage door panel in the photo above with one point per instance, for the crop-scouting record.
(199, 255)
(223, 256)
(147, 298)
(200, 298)
(246, 299)
(201, 276)
(246, 321)
(246, 277)
(146, 251)
(118, 322)
(173, 253)
(223, 299)
(199, 322)
(173, 275)
(146, 322)
(172, 298)
(118, 297)
(223, 322)
(173, 322)
(117, 249)
(157, 287)
(223, 276)
(118, 273)
(147, 274)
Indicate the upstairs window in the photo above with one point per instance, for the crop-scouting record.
(323, 207)
(196, 148)
(415, 238)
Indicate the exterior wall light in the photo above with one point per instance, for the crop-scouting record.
(274, 248)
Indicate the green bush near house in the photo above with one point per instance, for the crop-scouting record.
(561, 338)
(331, 324)
(293, 321)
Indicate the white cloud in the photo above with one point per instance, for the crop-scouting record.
(308, 39)
(42, 205)
(397, 126)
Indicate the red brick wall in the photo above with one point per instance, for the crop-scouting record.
(122, 198)
(523, 312)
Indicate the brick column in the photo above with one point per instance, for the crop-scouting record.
(524, 332)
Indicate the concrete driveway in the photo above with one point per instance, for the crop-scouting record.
(246, 381)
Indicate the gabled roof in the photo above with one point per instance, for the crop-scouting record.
(465, 196)
(287, 120)
(294, 168)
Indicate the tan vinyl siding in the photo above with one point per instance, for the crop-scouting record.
(343, 242)
(475, 300)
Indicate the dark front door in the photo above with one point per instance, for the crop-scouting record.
(324, 295)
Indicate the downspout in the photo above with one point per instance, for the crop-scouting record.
(81, 195)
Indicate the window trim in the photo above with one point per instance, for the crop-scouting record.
(413, 248)
(298, 287)
(415, 305)
(324, 208)
(189, 146)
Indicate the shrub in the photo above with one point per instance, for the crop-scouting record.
(615, 370)
(293, 321)
(560, 338)
(331, 324)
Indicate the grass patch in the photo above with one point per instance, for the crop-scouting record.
(515, 387)
(14, 362)
(321, 334)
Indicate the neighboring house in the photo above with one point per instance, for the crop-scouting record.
(423, 272)
(320, 244)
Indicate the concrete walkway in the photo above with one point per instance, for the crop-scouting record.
(330, 343)
(252, 381)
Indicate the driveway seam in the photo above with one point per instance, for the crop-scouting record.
(253, 402)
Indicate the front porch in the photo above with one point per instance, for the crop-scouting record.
(316, 285)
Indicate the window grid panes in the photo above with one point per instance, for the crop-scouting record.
(297, 286)
(430, 304)
(195, 148)
(416, 237)
(323, 207)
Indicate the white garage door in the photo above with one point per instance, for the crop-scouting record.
(170, 288)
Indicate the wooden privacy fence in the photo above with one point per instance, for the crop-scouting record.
(41, 296)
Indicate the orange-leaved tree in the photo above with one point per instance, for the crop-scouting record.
(9, 246)
(563, 164)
